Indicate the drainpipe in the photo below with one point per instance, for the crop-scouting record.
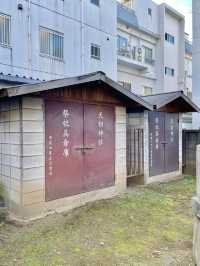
(82, 39)
(29, 37)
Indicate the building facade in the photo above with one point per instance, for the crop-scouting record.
(196, 60)
(53, 39)
(187, 118)
(151, 47)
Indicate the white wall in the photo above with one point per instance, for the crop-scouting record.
(99, 27)
(145, 77)
(174, 53)
(145, 21)
(151, 33)
(196, 60)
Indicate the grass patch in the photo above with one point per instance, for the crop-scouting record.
(149, 226)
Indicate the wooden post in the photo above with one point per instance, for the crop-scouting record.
(196, 208)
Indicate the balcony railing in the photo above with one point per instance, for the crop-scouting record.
(149, 61)
(127, 52)
(132, 53)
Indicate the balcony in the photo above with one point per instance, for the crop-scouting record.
(133, 57)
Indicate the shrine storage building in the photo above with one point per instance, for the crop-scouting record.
(63, 143)
(154, 139)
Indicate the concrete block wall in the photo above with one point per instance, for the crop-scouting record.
(33, 150)
(10, 152)
(33, 164)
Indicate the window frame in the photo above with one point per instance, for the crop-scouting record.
(98, 47)
(120, 40)
(147, 88)
(150, 12)
(8, 44)
(169, 71)
(94, 3)
(147, 59)
(126, 85)
(52, 48)
(169, 38)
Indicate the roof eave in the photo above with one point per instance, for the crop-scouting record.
(54, 84)
(194, 107)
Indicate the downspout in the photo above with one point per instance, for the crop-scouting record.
(29, 38)
(82, 39)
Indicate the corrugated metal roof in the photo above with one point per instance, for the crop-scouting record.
(66, 82)
(16, 79)
(159, 101)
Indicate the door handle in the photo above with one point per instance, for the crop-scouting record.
(89, 147)
(164, 142)
(79, 148)
(83, 148)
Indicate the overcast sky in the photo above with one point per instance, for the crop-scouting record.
(183, 6)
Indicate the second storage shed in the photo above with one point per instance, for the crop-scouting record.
(154, 139)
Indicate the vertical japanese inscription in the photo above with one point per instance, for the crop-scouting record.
(151, 149)
(157, 133)
(50, 155)
(100, 119)
(66, 132)
(172, 130)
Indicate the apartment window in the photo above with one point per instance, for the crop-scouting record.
(149, 11)
(4, 30)
(51, 43)
(148, 91)
(95, 2)
(148, 56)
(169, 71)
(95, 51)
(189, 93)
(122, 43)
(126, 85)
(169, 38)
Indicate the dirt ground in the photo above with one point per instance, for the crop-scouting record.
(149, 225)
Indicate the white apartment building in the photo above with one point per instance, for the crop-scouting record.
(151, 47)
(196, 60)
(50, 39)
(187, 118)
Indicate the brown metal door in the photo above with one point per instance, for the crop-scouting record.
(163, 143)
(172, 140)
(99, 142)
(64, 160)
(156, 143)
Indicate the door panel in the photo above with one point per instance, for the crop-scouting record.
(99, 138)
(156, 143)
(163, 143)
(172, 139)
(64, 161)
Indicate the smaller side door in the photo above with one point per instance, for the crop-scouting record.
(172, 140)
(156, 143)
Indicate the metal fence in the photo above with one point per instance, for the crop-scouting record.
(191, 138)
(135, 151)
